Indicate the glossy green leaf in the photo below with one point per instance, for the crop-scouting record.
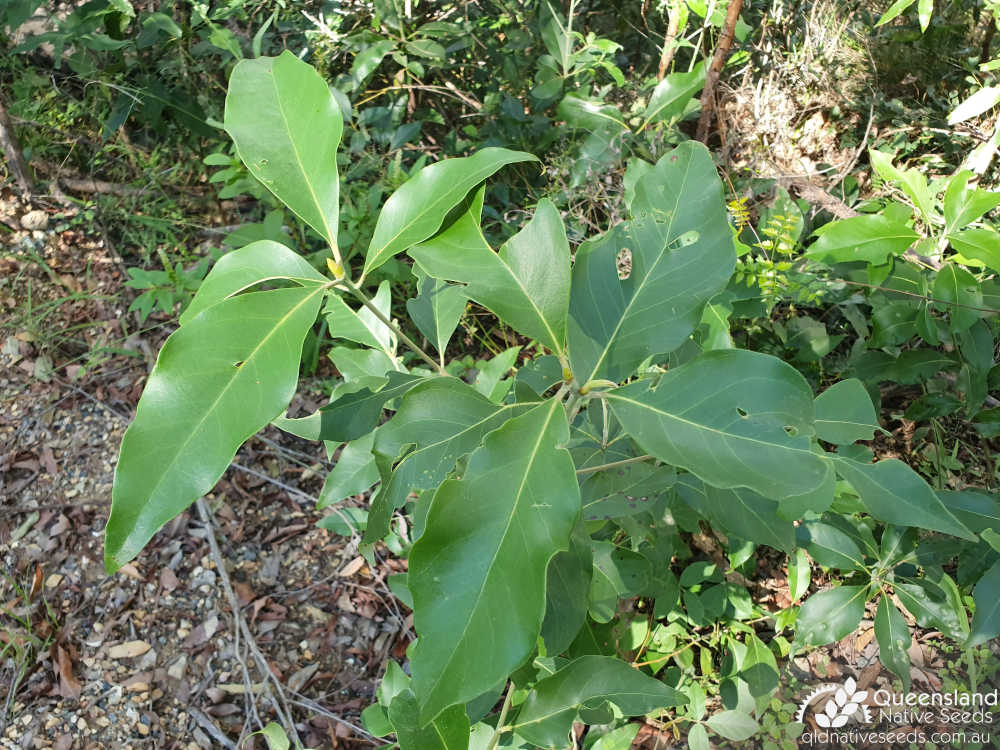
(799, 574)
(740, 512)
(893, 637)
(671, 95)
(526, 283)
(681, 256)
(354, 472)
(986, 620)
(625, 490)
(957, 286)
(362, 326)
(872, 238)
(287, 125)
(478, 571)
(442, 419)
(697, 738)
(733, 725)
(980, 101)
(895, 493)
(417, 209)
(830, 615)
(218, 380)
(935, 604)
(894, 10)
(250, 265)
(733, 418)
(618, 573)
(912, 181)
(590, 115)
(588, 682)
(963, 204)
(759, 668)
(436, 310)
(567, 583)
(448, 731)
(977, 510)
(618, 739)
(844, 413)
(492, 380)
(352, 415)
(829, 546)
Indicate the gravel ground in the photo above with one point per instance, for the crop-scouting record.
(151, 657)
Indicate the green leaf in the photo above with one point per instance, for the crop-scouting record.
(363, 327)
(587, 683)
(977, 510)
(436, 310)
(895, 493)
(375, 720)
(618, 573)
(759, 668)
(352, 415)
(417, 209)
(246, 267)
(218, 380)
(740, 512)
(287, 125)
(356, 414)
(912, 181)
(935, 604)
(894, 10)
(733, 418)
(829, 546)
(844, 413)
(830, 615)
(697, 738)
(275, 736)
(964, 205)
(567, 583)
(671, 95)
(490, 380)
(590, 115)
(618, 739)
(893, 640)
(733, 725)
(873, 239)
(625, 490)
(986, 620)
(924, 10)
(354, 472)
(443, 419)
(982, 100)
(957, 286)
(681, 256)
(448, 731)
(799, 574)
(526, 283)
(501, 523)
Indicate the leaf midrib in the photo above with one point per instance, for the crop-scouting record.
(510, 519)
(236, 373)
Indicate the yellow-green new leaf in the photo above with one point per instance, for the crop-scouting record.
(218, 380)
(287, 125)
(477, 573)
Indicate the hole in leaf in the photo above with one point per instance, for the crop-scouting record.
(741, 412)
(791, 430)
(623, 262)
(238, 364)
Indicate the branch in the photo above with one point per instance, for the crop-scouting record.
(715, 69)
(12, 152)
(390, 325)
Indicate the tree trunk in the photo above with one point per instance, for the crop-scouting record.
(718, 61)
(12, 152)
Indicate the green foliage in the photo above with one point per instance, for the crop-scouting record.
(547, 498)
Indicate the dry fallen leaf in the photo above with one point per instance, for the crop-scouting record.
(352, 567)
(168, 579)
(69, 686)
(128, 649)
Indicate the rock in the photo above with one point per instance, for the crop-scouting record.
(35, 220)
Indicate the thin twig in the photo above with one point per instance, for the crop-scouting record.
(363, 299)
(211, 727)
(614, 464)
(277, 695)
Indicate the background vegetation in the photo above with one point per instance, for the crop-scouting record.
(857, 143)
